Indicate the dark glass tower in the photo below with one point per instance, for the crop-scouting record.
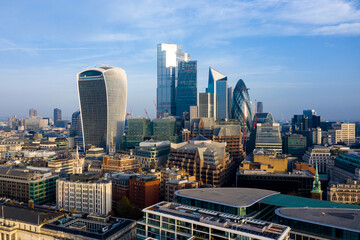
(241, 106)
(102, 95)
(186, 91)
(57, 115)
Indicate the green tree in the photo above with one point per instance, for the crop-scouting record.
(126, 210)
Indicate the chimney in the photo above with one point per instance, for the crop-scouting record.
(31, 203)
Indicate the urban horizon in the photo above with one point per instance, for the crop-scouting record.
(292, 55)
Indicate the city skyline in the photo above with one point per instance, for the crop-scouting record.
(292, 55)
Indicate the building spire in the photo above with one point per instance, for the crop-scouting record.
(316, 191)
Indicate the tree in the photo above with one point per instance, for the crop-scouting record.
(126, 210)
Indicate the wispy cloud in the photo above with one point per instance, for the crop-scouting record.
(341, 29)
(115, 37)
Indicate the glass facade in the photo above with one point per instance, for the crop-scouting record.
(222, 99)
(102, 95)
(186, 91)
(268, 137)
(241, 106)
(168, 56)
(214, 78)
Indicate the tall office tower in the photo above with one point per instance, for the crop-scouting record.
(186, 90)
(222, 99)
(76, 127)
(32, 113)
(220, 96)
(206, 105)
(260, 107)
(241, 106)
(57, 115)
(168, 56)
(102, 95)
(230, 97)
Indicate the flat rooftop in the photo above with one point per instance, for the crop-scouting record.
(232, 223)
(233, 197)
(283, 200)
(346, 219)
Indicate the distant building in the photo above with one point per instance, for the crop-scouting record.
(57, 115)
(343, 133)
(35, 123)
(86, 193)
(32, 113)
(102, 96)
(318, 155)
(139, 130)
(230, 99)
(268, 137)
(186, 90)
(152, 154)
(295, 145)
(166, 129)
(348, 192)
(118, 163)
(168, 57)
(206, 105)
(217, 87)
(144, 190)
(308, 120)
(260, 107)
(24, 185)
(76, 129)
(208, 161)
(346, 166)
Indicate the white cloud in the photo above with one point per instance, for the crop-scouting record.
(341, 29)
(115, 37)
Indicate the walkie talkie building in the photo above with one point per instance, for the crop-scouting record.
(102, 97)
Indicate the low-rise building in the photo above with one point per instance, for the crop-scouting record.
(152, 154)
(118, 163)
(208, 161)
(319, 155)
(86, 193)
(22, 222)
(144, 190)
(120, 186)
(268, 161)
(348, 192)
(342, 132)
(24, 185)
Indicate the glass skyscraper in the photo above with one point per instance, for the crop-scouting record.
(241, 106)
(168, 56)
(186, 90)
(102, 96)
(218, 86)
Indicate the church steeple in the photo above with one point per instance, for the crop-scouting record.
(316, 192)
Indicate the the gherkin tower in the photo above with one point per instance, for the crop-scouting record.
(241, 106)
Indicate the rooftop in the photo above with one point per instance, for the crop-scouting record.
(245, 226)
(283, 200)
(233, 197)
(346, 219)
(25, 214)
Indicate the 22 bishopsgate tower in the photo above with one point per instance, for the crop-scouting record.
(103, 96)
(168, 57)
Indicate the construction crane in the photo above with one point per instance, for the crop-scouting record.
(157, 114)
(146, 113)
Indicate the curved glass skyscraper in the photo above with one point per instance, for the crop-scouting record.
(241, 106)
(102, 96)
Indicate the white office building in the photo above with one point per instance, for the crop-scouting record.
(84, 193)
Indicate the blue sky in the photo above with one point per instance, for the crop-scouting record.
(293, 55)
